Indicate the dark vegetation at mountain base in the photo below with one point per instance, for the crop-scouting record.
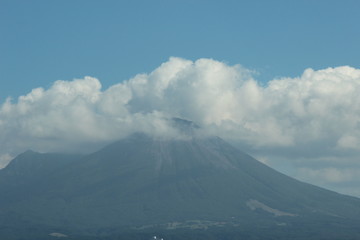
(188, 188)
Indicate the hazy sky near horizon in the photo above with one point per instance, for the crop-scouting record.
(279, 78)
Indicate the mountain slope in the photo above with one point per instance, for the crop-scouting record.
(147, 183)
(29, 170)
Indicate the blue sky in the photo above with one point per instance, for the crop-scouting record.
(44, 41)
(307, 125)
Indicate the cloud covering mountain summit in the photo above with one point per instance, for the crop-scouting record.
(318, 105)
(320, 108)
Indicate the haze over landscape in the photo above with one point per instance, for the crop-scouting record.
(279, 80)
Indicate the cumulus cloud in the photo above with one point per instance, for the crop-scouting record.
(72, 114)
(4, 159)
(319, 109)
(330, 175)
(342, 179)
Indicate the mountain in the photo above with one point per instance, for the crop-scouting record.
(184, 188)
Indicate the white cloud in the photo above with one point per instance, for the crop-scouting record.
(4, 160)
(348, 142)
(342, 179)
(320, 109)
(330, 175)
(320, 106)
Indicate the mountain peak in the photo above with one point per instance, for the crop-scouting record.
(185, 127)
